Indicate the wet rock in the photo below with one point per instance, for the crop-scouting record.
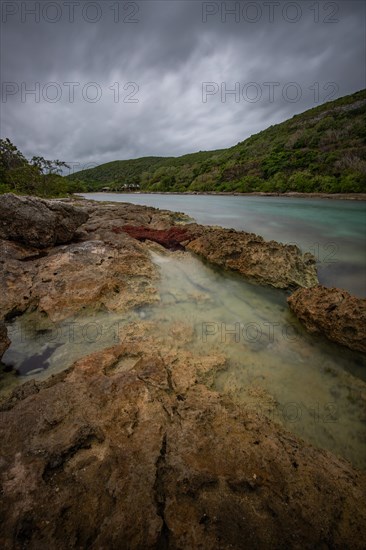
(37, 222)
(332, 312)
(263, 262)
(95, 275)
(165, 464)
(4, 340)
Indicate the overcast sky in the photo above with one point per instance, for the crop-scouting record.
(118, 80)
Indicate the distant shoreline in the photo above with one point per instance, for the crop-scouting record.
(334, 196)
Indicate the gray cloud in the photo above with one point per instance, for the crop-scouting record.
(168, 53)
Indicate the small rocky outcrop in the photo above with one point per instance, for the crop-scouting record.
(4, 340)
(263, 262)
(333, 312)
(37, 222)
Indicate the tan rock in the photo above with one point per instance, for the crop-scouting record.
(332, 312)
(263, 262)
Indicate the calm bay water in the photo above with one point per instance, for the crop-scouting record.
(333, 230)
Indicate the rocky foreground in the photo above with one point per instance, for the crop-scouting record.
(129, 447)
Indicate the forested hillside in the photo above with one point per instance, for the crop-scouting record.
(323, 149)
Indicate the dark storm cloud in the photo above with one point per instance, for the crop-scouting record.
(157, 55)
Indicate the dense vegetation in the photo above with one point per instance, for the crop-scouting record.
(36, 177)
(321, 150)
(124, 173)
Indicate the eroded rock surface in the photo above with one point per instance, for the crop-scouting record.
(263, 262)
(130, 449)
(333, 312)
(172, 238)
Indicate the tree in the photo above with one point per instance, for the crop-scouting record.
(38, 177)
(48, 166)
(51, 182)
(10, 157)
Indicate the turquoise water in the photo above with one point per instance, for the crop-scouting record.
(333, 230)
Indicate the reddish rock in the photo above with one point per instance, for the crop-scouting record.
(332, 312)
(171, 238)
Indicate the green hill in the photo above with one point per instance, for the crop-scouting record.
(321, 150)
(118, 173)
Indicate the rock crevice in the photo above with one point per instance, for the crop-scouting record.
(160, 496)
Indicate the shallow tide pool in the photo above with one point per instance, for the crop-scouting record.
(314, 388)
